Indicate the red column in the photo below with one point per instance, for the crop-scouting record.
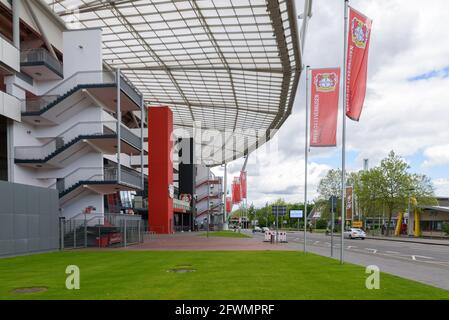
(160, 169)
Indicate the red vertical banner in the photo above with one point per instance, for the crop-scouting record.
(243, 184)
(324, 107)
(357, 63)
(236, 191)
(349, 202)
(228, 204)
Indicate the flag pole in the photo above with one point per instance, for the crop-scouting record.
(306, 156)
(343, 148)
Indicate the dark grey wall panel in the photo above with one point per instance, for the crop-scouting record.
(29, 219)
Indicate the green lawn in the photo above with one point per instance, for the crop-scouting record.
(227, 234)
(218, 275)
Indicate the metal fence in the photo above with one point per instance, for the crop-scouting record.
(101, 231)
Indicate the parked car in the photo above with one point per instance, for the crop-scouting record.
(355, 233)
(265, 229)
(257, 229)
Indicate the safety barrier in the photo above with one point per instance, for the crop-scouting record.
(271, 236)
(282, 236)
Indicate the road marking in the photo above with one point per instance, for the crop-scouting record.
(423, 257)
(350, 247)
(372, 250)
(392, 252)
(316, 242)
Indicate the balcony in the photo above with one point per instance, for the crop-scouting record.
(41, 65)
(9, 55)
(101, 135)
(101, 86)
(9, 106)
(181, 206)
(101, 180)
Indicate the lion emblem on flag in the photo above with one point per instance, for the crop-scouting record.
(326, 82)
(359, 33)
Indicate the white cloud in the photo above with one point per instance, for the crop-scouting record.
(409, 39)
(436, 155)
(441, 187)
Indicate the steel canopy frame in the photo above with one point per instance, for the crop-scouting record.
(226, 64)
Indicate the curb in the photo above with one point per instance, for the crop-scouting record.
(409, 241)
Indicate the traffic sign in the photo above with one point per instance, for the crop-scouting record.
(296, 213)
(279, 210)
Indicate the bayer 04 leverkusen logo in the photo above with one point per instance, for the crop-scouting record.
(359, 31)
(326, 82)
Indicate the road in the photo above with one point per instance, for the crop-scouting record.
(420, 262)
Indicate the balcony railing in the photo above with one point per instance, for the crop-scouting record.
(130, 177)
(130, 90)
(41, 56)
(98, 174)
(128, 136)
(80, 129)
(181, 204)
(9, 54)
(80, 80)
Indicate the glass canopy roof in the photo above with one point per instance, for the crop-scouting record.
(227, 65)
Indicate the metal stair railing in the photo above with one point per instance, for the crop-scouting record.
(84, 128)
(67, 86)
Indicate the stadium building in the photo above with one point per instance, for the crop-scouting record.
(106, 102)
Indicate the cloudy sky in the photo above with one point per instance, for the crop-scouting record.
(406, 108)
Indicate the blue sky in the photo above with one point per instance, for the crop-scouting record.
(406, 107)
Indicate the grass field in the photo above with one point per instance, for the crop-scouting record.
(227, 234)
(218, 275)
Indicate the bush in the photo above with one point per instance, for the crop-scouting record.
(446, 228)
(321, 224)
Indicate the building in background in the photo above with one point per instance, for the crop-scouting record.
(68, 121)
(209, 198)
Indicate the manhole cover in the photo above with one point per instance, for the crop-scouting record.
(182, 269)
(30, 290)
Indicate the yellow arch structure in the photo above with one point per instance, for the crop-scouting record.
(397, 231)
(417, 231)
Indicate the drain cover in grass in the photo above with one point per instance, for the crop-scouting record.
(30, 290)
(182, 269)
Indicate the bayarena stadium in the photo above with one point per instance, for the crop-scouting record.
(112, 113)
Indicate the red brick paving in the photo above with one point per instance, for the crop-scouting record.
(193, 241)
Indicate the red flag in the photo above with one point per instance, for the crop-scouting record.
(324, 107)
(357, 63)
(236, 191)
(228, 204)
(243, 183)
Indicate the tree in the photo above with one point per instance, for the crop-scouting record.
(330, 185)
(392, 185)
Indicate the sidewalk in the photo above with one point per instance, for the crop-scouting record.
(440, 242)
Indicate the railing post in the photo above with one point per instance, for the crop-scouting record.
(119, 120)
(62, 232)
(138, 231)
(125, 232)
(142, 118)
(85, 232)
(74, 235)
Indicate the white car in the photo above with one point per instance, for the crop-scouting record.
(265, 229)
(257, 229)
(355, 233)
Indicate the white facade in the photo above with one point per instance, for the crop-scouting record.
(64, 114)
(209, 195)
